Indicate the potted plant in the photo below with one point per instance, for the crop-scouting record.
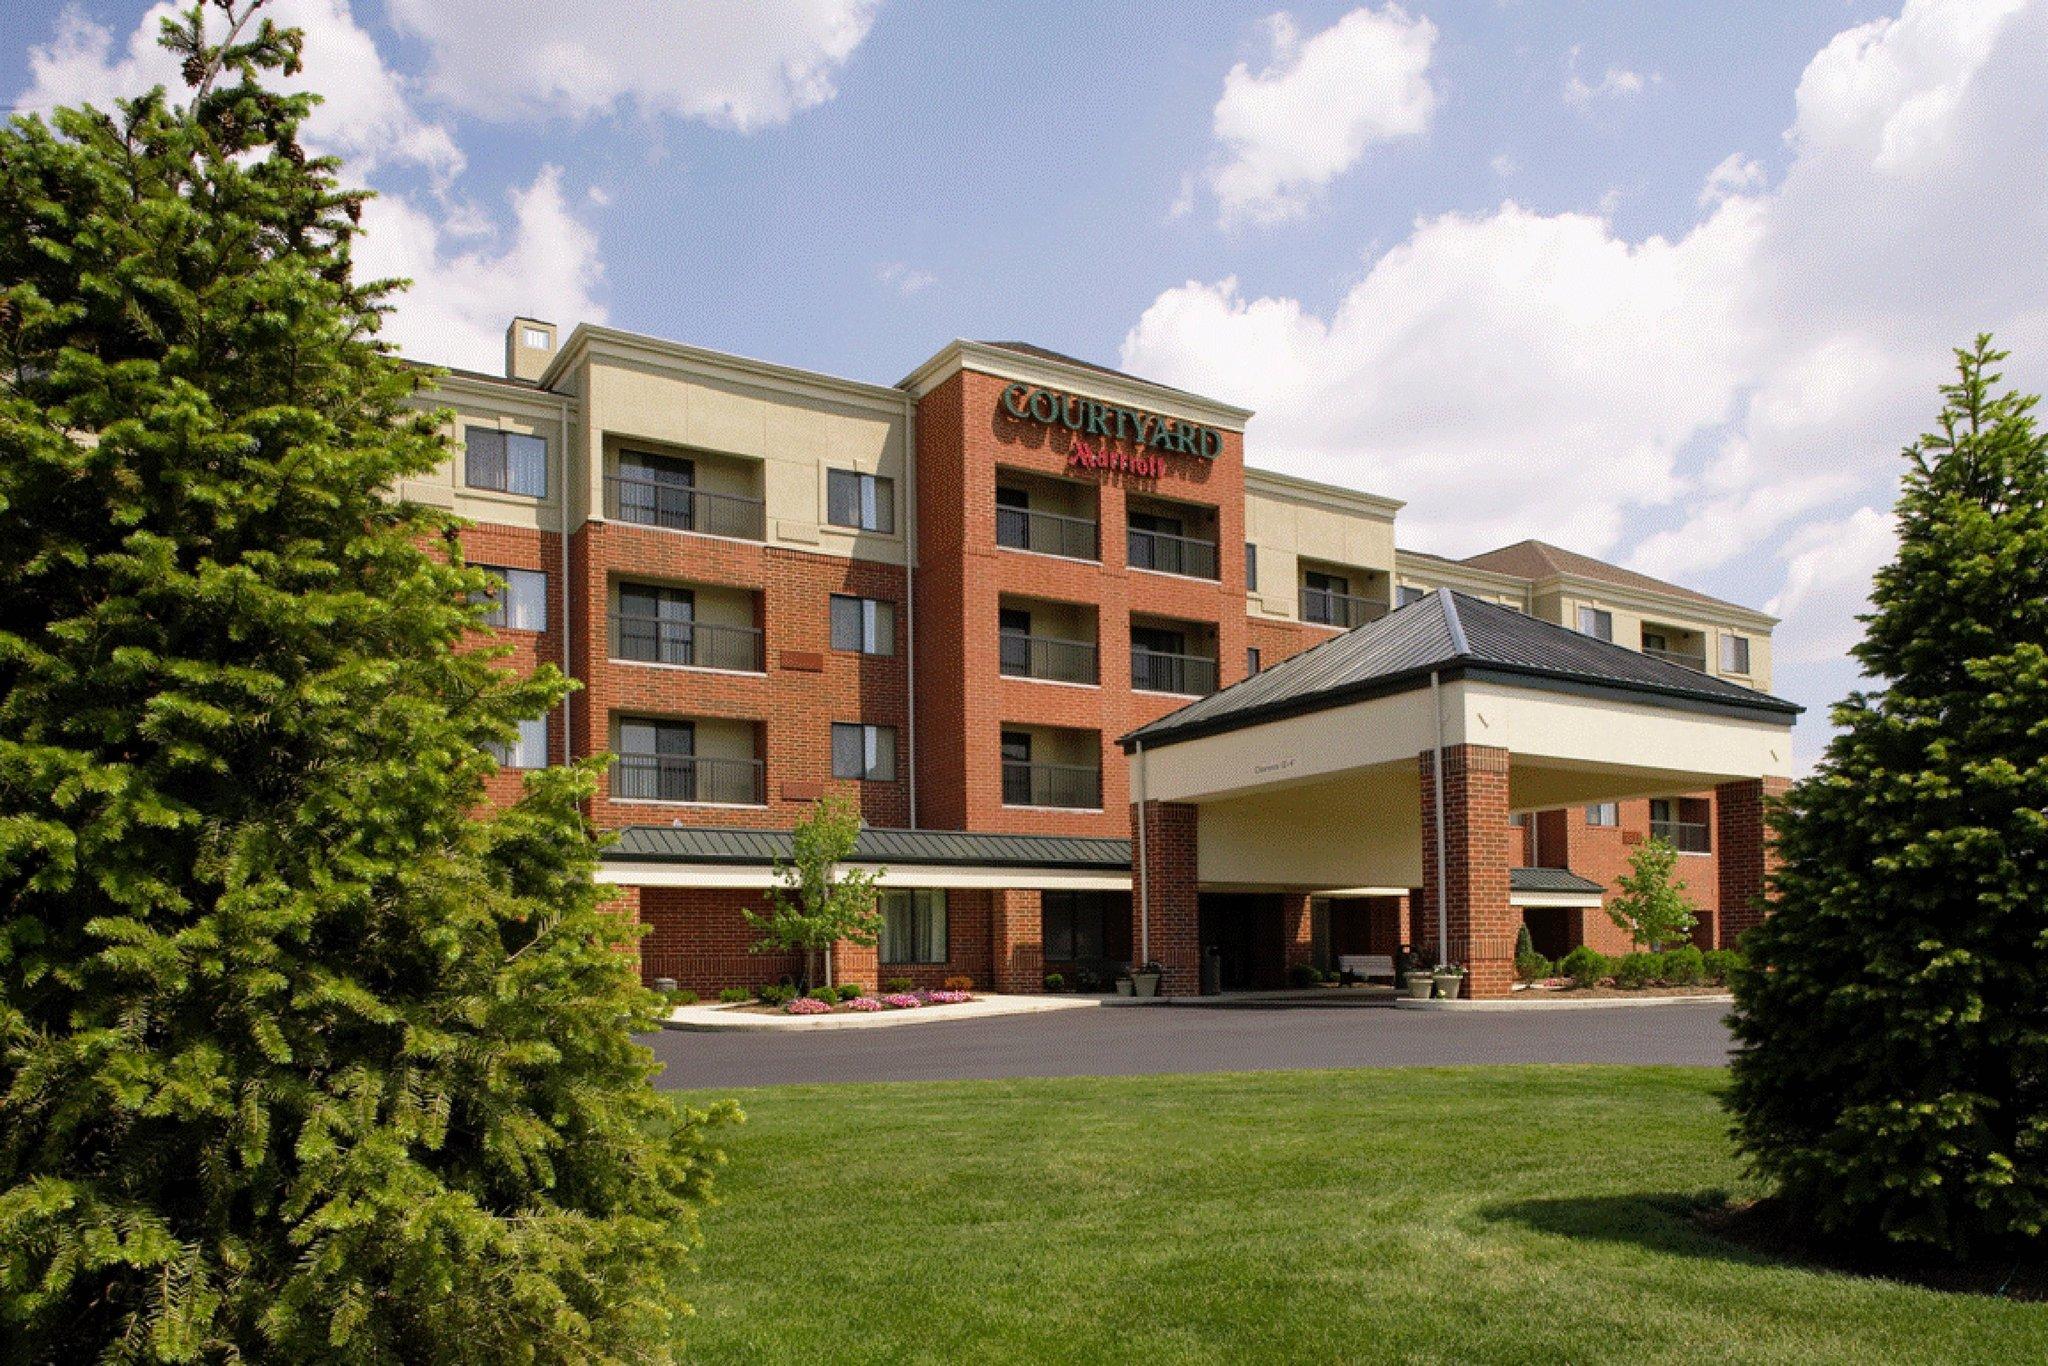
(1417, 983)
(1449, 978)
(1145, 981)
(1124, 985)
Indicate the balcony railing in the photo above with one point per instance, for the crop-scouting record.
(1327, 607)
(689, 778)
(1690, 661)
(1068, 785)
(1171, 554)
(1158, 671)
(675, 507)
(1048, 533)
(1687, 837)
(697, 644)
(1048, 657)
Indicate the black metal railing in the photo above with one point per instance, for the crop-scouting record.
(698, 644)
(1048, 533)
(1327, 607)
(1690, 661)
(688, 778)
(675, 507)
(1171, 554)
(1067, 785)
(1050, 657)
(1687, 837)
(1158, 671)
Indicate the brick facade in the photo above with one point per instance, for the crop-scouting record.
(1173, 925)
(1747, 858)
(1480, 924)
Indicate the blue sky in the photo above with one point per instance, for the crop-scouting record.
(1665, 283)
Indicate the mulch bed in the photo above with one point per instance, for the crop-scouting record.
(1762, 1227)
(1588, 993)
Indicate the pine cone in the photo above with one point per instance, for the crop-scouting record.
(194, 69)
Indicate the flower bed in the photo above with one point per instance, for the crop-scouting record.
(776, 1001)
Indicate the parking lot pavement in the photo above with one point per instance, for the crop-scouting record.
(1128, 1042)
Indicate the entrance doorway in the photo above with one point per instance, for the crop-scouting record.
(1248, 930)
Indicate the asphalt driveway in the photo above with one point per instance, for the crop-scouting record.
(1136, 1041)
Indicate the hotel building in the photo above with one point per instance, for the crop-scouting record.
(1101, 691)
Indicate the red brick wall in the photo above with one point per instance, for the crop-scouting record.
(1747, 858)
(1298, 927)
(1016, 942)
(963, 438)
(1175, 901)
(506, 547)
(1278, 640)
(1602, 853)
(1480, 923)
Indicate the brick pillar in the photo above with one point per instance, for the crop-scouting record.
(1745, 855)
(1016, 942)
(1480, 922)
(1170, 875)
(624, 902)
(1297, 924)
(853, 962)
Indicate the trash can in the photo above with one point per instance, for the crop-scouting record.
(1212, 970)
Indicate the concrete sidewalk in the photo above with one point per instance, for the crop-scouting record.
(728, 1019)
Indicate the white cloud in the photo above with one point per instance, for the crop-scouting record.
(742, 64)
(1683, 403)
(904, 279)
(1291, 128)
(469, 276)
(1503, 165)
(1615, 81)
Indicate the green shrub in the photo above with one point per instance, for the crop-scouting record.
(898, 984)
(1055, 982)
(1719, 965)
(1304, 975)
(733, 996)
(685, 997)
(1636, 970)
(851, 991)
(1525, 947)
(777, 995)
(1686, 967)
(829, 995)
(1585, 966)
(1533, 966)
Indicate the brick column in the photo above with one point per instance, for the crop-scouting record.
(624, 902)
(1745, 855)
(853, 962)
(1480, 923)
(1297, 923)
(1016, 942)
(1169, 873)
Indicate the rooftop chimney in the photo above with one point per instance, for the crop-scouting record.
(529, 348)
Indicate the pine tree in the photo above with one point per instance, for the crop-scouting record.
(302, 1055)
(1649, 903)
(815, 903)
(1892, 1074)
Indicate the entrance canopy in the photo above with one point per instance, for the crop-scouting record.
(1306, 776)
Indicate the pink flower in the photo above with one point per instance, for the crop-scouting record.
(948, 998)
(902, 1000)
(864, 1004)
(808, 1007)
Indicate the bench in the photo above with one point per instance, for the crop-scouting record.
(1367, 965)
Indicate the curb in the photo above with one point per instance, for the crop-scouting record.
(1583, 1003)
(720, 1020)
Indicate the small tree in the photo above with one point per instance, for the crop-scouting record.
(817, 903)
(1892, 1074)
(1651, 905)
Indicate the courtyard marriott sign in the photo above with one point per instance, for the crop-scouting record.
(1087, 417)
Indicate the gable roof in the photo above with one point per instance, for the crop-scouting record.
(1542, 560)
(674, 844)
(1455, 636)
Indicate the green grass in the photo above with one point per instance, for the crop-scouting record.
(1493, 1214)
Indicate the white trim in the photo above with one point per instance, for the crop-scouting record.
(714, 806)
(1049, 682)
(1154, 692)
(698, 360)
(1169, 574)
(693, 668)
(1071, 810)
(1048, 555)
(748, 877)
(1584, 899)
(1274, 484)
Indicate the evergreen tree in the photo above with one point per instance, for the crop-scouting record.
(301, 1055)
(1892, 1074)
(815, 903)
(1648, 902)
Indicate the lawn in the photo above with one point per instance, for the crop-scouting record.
(1495, 1214)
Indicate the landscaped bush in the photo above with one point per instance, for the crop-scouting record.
(1533, 966)
(851, 990)
(733, 996)
(829, 995)
(866, 1005)
(809, 1005)
(1637, 970)
(1586, 966)
(960, 983)
(1055, 982)
(898, 985)
(777, 995)
(684, 997)
(1304, 975)
(1684, 967)
(901, 1000)
(1719, 965)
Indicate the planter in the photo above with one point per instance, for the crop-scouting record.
(1449, 985)
(664, 985)
(1417, 986)
(1145, 983)
(1123, 986)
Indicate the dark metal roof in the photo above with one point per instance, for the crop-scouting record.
(669, 844)
(1458, 636)
(1550, 880)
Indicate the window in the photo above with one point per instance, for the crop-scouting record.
(1408, 593)
(657, 761)
(864, 752)
(1251, 660)
(1016, 768)
(863, 625)
(1013, 641)
(1077, 926)
(657, 625)
(536, 338)
(1657, 640)
(1604, 814)
(1681, 822)
(913, 927)
(1596, 622)
(1251, 565)
(1734, 654)
(529, 751)
(866, 502)
(520, 600)
(506, 462)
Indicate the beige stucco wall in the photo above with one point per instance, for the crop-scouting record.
(1062, 620)
(713, 605)
(481, 404)
(1562, 606)
(1362, 831)
(1289, 524)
